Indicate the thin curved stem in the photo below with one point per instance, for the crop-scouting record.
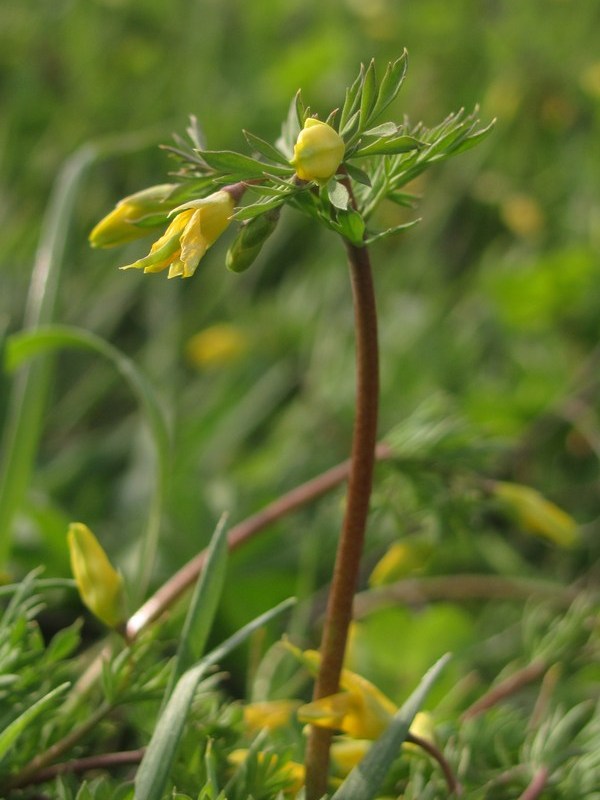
(349, 552)
(301, 495)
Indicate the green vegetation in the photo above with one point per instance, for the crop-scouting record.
(158, 412)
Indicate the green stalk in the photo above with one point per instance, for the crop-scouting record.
(349, 552)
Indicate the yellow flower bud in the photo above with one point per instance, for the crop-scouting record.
(133, 216)
(536, 514)
(192, 231)
(100, 585)
(318, 151)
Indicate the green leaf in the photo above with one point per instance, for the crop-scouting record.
(389, 146)
(12, 732)
(291, 126)
(203, 606)
(352, 99)
(347, 132)
(239, 166)
(364, 781)
(265, 148)
(155, 768)
(255, 209)
(337, 194)
(397, 229)
(368, 96)
(358, 174)
(391, 83)
(474, 138)
(385, 129)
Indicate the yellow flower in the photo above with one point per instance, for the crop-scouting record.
(346, 752)
(401, 559)
(269, 714)
(536, 514)
(100, 585)
(133, 216)
(290, 771)
(192, 231)
(360, 710)
(217, 345)
(318, 151)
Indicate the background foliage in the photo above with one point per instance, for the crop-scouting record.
(490, 308)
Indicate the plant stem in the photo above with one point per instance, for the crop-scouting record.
(349, 552)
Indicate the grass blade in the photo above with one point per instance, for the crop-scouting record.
(155, 768)
(203, 607)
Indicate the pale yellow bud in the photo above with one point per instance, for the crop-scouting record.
(100, 585)
(134, 216)
(318, 151)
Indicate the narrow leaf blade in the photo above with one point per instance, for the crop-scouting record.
(155, 767)
(365, 779)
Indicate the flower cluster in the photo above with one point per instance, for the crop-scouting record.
(336, 171)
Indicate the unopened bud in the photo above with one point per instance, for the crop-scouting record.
(133, 216)
(100, 585)
(249, 241)
(318, 151)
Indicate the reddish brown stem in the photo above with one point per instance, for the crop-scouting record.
(349, 552)
(537, 785)
(178, 583)
(79, 765)
(514, 683)
(454, 786)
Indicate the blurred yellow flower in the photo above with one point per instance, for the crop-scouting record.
(269, 714)
(216, 346)
(346, 752)
(134, 216)
(197, 226)
(536, 514)
(318, 151)
(100, 585)
(290, 771)
(360, 710)
(401, 559)
(522, 215)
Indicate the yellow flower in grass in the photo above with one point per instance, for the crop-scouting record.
(290, 771)
(216, 346)
(318, 151)
(134, 216)
(360, 709)
(196, 226)
(100, 585)
(536, 514)
(269, 714)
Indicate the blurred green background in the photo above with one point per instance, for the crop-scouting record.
(490, 308)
